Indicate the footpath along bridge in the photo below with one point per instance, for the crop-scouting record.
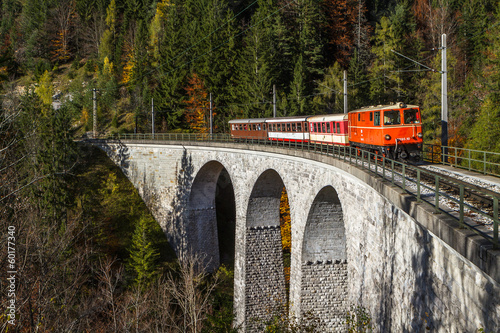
(361, 233)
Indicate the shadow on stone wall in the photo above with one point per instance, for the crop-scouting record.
(176, 226)
(386, 305)
(423, 291)
(118, 153)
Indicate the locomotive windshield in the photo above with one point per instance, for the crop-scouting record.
(392, 118)
(411, 116)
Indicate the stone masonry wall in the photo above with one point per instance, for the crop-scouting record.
(324, 294)
(404, 275)
(265, 279)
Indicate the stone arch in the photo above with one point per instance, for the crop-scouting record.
(202, 227)
(264, 273)
(324, 261)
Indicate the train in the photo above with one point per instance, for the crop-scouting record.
(393, 131)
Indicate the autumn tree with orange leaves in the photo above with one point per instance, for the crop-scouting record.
(341, 18)
(197, 108)
(286, 232)
(64, 17)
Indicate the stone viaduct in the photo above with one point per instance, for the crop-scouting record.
(356, 240)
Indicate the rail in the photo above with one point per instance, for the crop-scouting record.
(487, 163)
(398, 173)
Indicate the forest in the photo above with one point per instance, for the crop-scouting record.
(176, 54)
(87, 253)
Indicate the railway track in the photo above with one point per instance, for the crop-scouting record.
(478, 196)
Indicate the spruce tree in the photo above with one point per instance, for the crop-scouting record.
(484, 134)
(385, 83)
(309, 61)
(143, 261)
(256, 70)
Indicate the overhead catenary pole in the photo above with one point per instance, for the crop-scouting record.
(152, 118)
(211, 120)
(94, 113)
(444, 100)
(345, 91)
(274, 101)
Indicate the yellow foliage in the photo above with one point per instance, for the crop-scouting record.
(285, 222)
(45, 89)
(85, 116)
(128, 69)
(107, 68)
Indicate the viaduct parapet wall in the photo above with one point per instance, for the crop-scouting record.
(356, 240)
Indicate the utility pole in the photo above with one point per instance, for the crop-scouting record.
(444, 95)
(274, 101)
(94, 114)
(345, 92)
(444, 100)
(152, 118)
(211, 120)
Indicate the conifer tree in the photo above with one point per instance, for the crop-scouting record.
(256, 70)
(329, 98)
(143, 261)
(309, 61)
(358, 86)
(484, 134)
(385, 84)
(106, 48)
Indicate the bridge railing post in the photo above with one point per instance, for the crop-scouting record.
(436, 194)
(404, 177)
(461, 219)
(418, 186)
(392, 172)
(495, 222)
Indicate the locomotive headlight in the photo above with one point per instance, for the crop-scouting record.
(420, 135)
(387, 137)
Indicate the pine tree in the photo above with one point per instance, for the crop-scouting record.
(106, 48)
(143, 261)
(255, 66)
(309, 62)
(484, 134)
(358, 85)
(329, 98)
(386, 84)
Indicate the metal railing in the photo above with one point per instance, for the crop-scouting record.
(487, 163)
(399, 174)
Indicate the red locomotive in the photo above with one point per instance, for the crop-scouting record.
(394, 130)
(391, 130)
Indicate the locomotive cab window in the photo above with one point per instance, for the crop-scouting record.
(411, 116)
(371, 116)
(376, 118)
(392, 118)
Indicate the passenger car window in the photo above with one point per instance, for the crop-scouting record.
(376, 118)
(299, 127)
(338, 127)
(392, 118)
(411, 116)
